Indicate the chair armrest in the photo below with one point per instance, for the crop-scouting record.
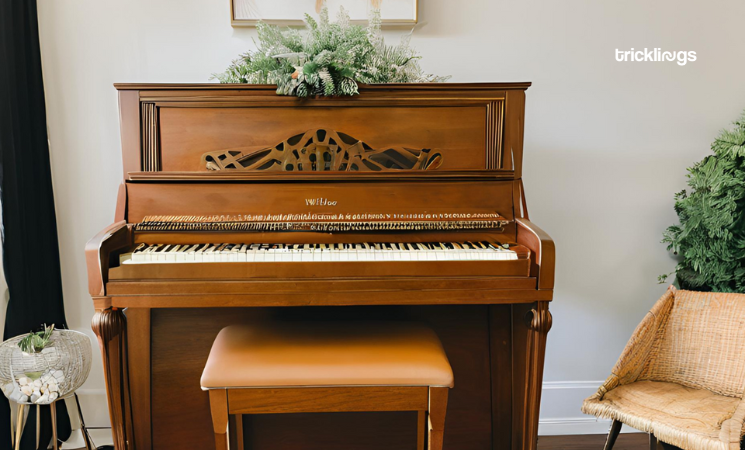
(97, 255)
(732, 429)
(639, 349)
(543, 251)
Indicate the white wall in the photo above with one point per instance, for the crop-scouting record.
(607, 143)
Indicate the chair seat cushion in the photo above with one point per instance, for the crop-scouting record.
(327, 354)
(679, 415)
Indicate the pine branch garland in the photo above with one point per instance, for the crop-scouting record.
(328, 59)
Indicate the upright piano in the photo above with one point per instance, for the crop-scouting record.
(238, 205)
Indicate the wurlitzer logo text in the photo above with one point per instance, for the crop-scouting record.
(655, 55)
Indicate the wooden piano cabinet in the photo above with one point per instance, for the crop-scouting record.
(156, 323)
(181, 339)
(488, 409)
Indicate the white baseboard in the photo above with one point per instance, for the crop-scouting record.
(574, 425)
(560, 409)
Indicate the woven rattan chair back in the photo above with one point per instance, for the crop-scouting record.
(701, 343)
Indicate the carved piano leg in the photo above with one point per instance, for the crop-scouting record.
(538, 323)
(110, 325)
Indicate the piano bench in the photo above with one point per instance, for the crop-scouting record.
(327, 367)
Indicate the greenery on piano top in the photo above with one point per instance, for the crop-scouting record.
(711, 236)
(327, 59)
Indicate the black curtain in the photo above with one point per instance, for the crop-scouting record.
(30, 249)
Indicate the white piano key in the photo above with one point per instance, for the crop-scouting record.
(366, 252)
(209, 253)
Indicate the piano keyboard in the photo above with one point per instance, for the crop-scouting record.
(380, 251)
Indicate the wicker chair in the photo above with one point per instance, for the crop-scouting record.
(682, 374)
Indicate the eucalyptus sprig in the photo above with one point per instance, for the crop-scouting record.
(327, 59)
(35, 342)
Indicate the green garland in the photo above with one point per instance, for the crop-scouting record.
(711, 236)
(328, 59)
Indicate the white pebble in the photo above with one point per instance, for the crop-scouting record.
(53, 387)
(27, 390)
(24, 399)
(53, 396)
(43, 399)
(35, 397)
(23, 381)
(37, 383)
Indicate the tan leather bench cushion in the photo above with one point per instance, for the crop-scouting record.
(327, 354)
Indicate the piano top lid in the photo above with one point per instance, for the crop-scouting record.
(243, 130)
(363, 87)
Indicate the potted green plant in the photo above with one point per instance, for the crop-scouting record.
(710, 239)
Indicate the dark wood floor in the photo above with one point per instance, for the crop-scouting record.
(626, 441)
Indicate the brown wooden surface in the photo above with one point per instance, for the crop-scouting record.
(219, 410)
(466, 119)
(109, 326)
(422, 427)
(438, 401)
(363, 197)
(327, 399)
(340, 270)
(235, 424)
(500, 348)
(322, 150)
(530, 325)
(138, 346)
(514, 129)
(543, 251)
(493, 318)
(98, 253)
(129, 127)
(231, 177)
(240, 401)
(455, 131)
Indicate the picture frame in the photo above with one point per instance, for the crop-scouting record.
(247, 13)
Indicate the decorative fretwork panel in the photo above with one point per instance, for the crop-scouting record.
(323, 150)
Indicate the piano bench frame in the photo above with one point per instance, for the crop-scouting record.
(228, 405)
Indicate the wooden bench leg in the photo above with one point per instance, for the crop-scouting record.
(438, 405)
(421, 430)
(235, 427)
(219, 409)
